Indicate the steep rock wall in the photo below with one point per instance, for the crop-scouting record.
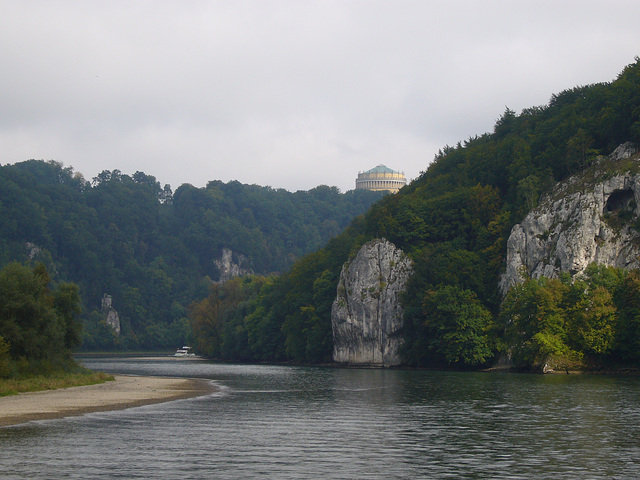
(366, 316)
(112, 318)
(230, 269)
(585, 220)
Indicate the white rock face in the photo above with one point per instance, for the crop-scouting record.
(576, 226)
(366, 316)
(112, 317)
(228, 268)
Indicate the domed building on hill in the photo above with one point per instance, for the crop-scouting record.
(381, 179)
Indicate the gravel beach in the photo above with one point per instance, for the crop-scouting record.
(123, 392)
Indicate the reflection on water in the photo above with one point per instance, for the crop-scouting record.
(295, 423)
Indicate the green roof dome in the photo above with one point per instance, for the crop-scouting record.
(381, 169)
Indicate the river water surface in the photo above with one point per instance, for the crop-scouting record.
(278, 422)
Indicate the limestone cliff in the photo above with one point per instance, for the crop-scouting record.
(228, 268)
(589, 218)
(112, 318)
(366, 316)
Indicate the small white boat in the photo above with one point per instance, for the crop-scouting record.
(184, 352)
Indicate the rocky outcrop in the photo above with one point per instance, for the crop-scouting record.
(32, 250)
(366, 316)
(228, 268)
(589, 218)
(111, 315)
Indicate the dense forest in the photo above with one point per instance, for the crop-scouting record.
(153, 250)
(453, 221)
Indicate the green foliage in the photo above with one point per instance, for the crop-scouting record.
(535, 321)
(39, 327)
(594, 318)
(66, 302)
(283, 318)
(457, 326)
(29, 324)
(99, 336)
(627, 298)
(211, 317)
(151, 248)
(5, 358)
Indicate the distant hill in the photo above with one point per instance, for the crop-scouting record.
(153, 250)
(453, 221)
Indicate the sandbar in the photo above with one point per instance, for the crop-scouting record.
(124, 392)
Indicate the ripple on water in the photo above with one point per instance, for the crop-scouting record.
(297, 423)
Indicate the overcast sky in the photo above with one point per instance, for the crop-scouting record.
(286, 93)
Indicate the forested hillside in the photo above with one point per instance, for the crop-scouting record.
(151, 249)
(453, 222)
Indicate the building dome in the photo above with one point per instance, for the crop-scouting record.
(381, 179)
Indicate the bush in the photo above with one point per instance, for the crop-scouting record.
(5, 359)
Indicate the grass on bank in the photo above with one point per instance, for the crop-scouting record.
(52, 381)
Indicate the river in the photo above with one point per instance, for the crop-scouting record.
(281, 422)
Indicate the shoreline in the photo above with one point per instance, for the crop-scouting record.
(122, 393)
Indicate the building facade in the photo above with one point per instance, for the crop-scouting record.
(381, 179)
